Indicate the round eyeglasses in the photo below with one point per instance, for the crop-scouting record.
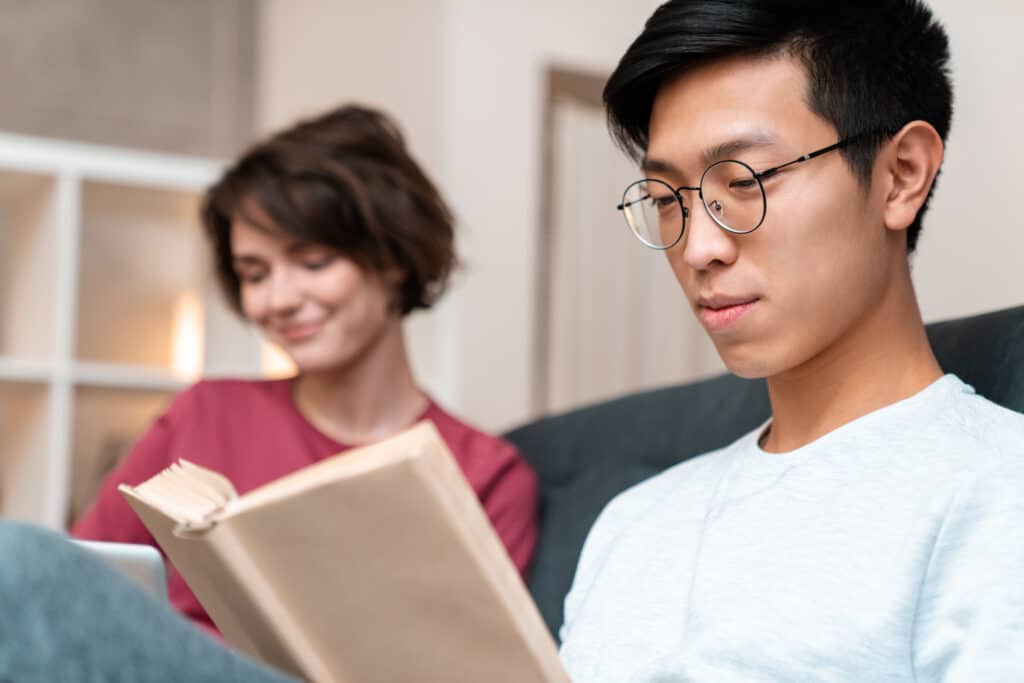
(731, 191)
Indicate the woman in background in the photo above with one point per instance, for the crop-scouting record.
(325, 236)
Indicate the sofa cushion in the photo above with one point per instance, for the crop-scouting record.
(585, 457)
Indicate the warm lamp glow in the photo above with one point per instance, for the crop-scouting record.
(187, 348)
(275, 363)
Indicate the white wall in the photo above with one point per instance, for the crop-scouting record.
(315, 54)
(466, 80)
(496, 58)
(971, 254)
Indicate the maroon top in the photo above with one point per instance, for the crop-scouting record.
(251, 432)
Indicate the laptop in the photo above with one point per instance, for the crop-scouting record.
(141, 563)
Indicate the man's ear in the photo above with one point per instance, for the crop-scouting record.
(911, 162)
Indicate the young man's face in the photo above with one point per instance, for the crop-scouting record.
(778, 297)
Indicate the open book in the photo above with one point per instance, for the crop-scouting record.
(375, 565)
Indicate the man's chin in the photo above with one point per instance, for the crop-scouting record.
(745, 362)
(746, 372)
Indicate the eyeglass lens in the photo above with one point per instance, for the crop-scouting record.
(731, 193)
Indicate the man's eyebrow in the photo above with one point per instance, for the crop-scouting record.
(723, 150)
(650, 165)
(730, 148)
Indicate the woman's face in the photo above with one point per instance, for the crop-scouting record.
(321, 308)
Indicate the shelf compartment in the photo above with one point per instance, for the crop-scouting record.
(108, 422)
(25, 445)
(28, 235)
(142, 262)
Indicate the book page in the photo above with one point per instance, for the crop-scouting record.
(188, 493)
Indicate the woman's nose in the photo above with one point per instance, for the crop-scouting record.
(284, 294)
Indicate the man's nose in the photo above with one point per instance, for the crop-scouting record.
(704, 242)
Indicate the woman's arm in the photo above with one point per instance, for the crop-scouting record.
(511, 503)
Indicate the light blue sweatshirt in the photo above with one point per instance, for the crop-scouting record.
(891, 549)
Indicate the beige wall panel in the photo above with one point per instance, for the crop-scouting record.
(171, 76)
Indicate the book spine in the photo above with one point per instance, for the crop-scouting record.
(471, 522)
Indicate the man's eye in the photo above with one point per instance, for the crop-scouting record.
(743, 184)
(664, 202)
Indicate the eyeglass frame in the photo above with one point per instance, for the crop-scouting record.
(758, 176)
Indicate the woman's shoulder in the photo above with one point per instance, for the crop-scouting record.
(493, 466)
(470, 445)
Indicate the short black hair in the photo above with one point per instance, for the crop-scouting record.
(347, 180)
(871, 65)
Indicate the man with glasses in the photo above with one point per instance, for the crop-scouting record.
(871, 529)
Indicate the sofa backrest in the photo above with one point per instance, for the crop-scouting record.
(585, 457)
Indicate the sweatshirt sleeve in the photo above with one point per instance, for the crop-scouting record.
(970, 616)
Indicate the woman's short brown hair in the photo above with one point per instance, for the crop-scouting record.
(344, 179)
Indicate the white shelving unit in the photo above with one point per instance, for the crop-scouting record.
(107, 308)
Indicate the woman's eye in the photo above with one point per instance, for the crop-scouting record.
(252, 278)
(313, 257)
(317, 263)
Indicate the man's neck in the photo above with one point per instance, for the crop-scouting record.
(884, 359)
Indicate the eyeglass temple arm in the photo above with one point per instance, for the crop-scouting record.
(624, 205)
(807, 157)
(824, 150)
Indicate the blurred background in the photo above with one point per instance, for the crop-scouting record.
(117, 113)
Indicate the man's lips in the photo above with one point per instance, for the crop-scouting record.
(717, 312)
